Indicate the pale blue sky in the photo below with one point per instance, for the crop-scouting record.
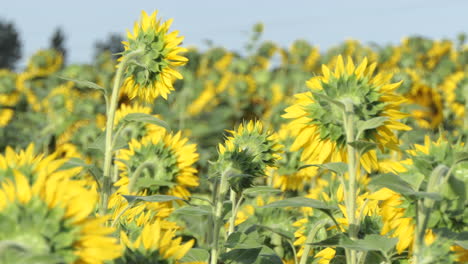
(227, 23)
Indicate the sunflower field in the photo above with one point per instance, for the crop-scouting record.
(355, 154)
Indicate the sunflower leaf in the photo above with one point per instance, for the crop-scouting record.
(152, 198)
(397, 184)
(253, 191)
(336, 167)
(371, 123)
(196, 255)
(369, 243)
(363, 146)
(241, 256)
(146, 118)
(194, 210)
(300, 202)
(84, 83)
(461, 157)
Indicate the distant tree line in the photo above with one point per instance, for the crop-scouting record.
(11, 47)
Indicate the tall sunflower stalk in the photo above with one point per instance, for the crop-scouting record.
(110, 111)
(145, 71)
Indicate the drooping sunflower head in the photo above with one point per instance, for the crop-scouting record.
(317, 115)
(50, 218)
(249, 151)
(152, 243)
(153, 73)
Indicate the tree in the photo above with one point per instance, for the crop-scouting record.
(57, 42)
(10, 45)
(112, 44)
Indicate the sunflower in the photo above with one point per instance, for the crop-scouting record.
(136, 130)
(45, 62)
(318, 124)
(47, 215)
(431, 116)
(249, 150)
(152, 75)
(160, 163)
(9, 96)
(152, 243)
(453, 90)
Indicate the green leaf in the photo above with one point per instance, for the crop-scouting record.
(363, 146)
(284, 233)
(268, 256)
(398, 185)
(100, 142)
(146, 118)
(261, 190)
(371, 123)
(369, 243)
(241, 256)
(243, 240)
(84, 83)
(329, 99)
(152, 198)
(461, 157)
(299, 202)
(194, 210)
(337, 167)
(196, 255)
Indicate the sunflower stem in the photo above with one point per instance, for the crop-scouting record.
(111, 108)
(218, 210)
(235, 208)
(352, 166)
(310, 238)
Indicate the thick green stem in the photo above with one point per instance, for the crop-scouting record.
(111, 108)
(310, 238)
(232, 220)
(218, 221)
(350, 200)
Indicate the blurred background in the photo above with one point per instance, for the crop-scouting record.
(82, 29)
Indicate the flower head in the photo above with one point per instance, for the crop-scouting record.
(152, 74)
(249, 151)
(318, 124)
(45, 212)
(152, 243)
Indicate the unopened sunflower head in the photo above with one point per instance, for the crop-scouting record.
(51, 218)
(152, 73)
(248, 151)
(153, 243)
(317, 115)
